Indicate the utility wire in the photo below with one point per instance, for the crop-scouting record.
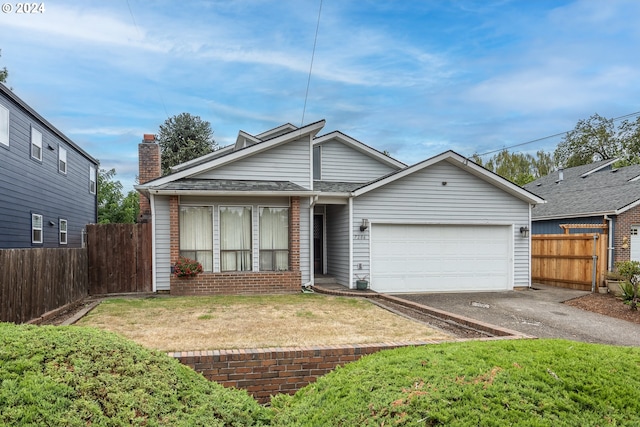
(615, 119)
(313, 53)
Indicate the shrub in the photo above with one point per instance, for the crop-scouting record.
(630, 271)
(72, 376)
(186, 267)
(523, 383)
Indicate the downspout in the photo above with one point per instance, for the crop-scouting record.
(152, 203)
(350, 242)
(609, 243)
(529, 246)
(312, 204)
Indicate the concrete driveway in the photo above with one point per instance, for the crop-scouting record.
(538, 312)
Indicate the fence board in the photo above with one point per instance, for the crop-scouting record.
(119, 258)
(35, 281)
(567, 259)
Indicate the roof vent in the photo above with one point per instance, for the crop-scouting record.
(560, 174)
(614, 170)
(538, 184)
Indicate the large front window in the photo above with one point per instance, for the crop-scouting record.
(196, 234)
(274, 239)
(235, 238)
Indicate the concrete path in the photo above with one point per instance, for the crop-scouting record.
(538, 312)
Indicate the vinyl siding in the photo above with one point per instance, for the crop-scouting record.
(421, 198)
(552, 226)
(31, 186)
(337, 244)
(288, 162)
(162, 243)
(343, 163)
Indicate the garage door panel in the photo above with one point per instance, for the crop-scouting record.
(422, 258)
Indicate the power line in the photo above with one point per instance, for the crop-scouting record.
(313, 53)
(615, 119)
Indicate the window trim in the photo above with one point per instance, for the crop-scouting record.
(62, 233)
(92, 180)
(4, 142)
(251, 232)
(34, 216)
(62, 150)
(319, 163)
(36, 143)
(288, 250)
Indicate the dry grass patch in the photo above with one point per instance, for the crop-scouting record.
(226, 322)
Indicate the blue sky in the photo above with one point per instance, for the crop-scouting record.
(412, 77)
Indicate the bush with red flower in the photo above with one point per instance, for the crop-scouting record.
(186, 267)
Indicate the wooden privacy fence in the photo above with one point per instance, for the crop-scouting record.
(567, 260)
(119, 258)
(35, 281)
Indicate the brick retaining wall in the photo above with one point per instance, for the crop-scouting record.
(267, 372)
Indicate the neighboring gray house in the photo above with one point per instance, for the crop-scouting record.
(598, 194)
(277, 209)
(47, 182)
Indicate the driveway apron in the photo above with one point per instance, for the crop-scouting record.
(538, 311)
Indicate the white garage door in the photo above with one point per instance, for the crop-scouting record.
(429, 258)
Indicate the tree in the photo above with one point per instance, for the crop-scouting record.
(518, 168)
(182, 138)
(112, 206)
(592, 139)
(3, 72)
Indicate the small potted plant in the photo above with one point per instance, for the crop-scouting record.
(362, 283)
(613, 282)
(186, 267)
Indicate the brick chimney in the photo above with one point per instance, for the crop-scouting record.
(148, 169)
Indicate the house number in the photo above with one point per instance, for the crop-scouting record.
(360, 237)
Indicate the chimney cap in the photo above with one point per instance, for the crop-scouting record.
(149, 137)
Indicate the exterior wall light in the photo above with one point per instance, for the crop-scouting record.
(364, 225)
(524, 231)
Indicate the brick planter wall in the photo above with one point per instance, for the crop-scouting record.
(267, 372)
(238, 283)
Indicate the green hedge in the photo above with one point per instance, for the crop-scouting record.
(70, 376)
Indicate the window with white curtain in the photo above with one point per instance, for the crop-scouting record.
(196, 234)
(274, 239)
(235, 238)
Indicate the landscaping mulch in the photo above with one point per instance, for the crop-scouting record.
(606, 304)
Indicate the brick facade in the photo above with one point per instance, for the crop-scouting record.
(241, 282)
(622, 236)
(148, 169)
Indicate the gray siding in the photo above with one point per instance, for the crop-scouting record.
(288, 162)
(162, 243)
(337, 244)
(421, 198)
(341, 162)
(30, 186)
(552, 226)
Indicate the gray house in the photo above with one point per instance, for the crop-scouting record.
(277, 209)
(599, 194)
(47, 182)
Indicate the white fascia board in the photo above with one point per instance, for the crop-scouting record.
(578, 215)
(360, 146)
(310, 129)
(465, 164)
(219, 152)
(602, 166)
(626, 208)
(286, 126)
(230, 193)
(242, 135)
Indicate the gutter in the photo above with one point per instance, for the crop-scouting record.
(305, 193)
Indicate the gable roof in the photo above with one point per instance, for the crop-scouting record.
(589, 190)
(463, 163)
(212, 161)
(359, 146)
(9, 94)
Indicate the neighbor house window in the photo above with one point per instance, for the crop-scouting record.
(92, 180)
(196, 234)
(36, 228)
(235, 238)
(62, 160)
(317, 162)
(274, 239)
(63, 231)
(4, 125)
(36, 144)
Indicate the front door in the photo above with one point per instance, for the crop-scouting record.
(634, 242)
(318, 244)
